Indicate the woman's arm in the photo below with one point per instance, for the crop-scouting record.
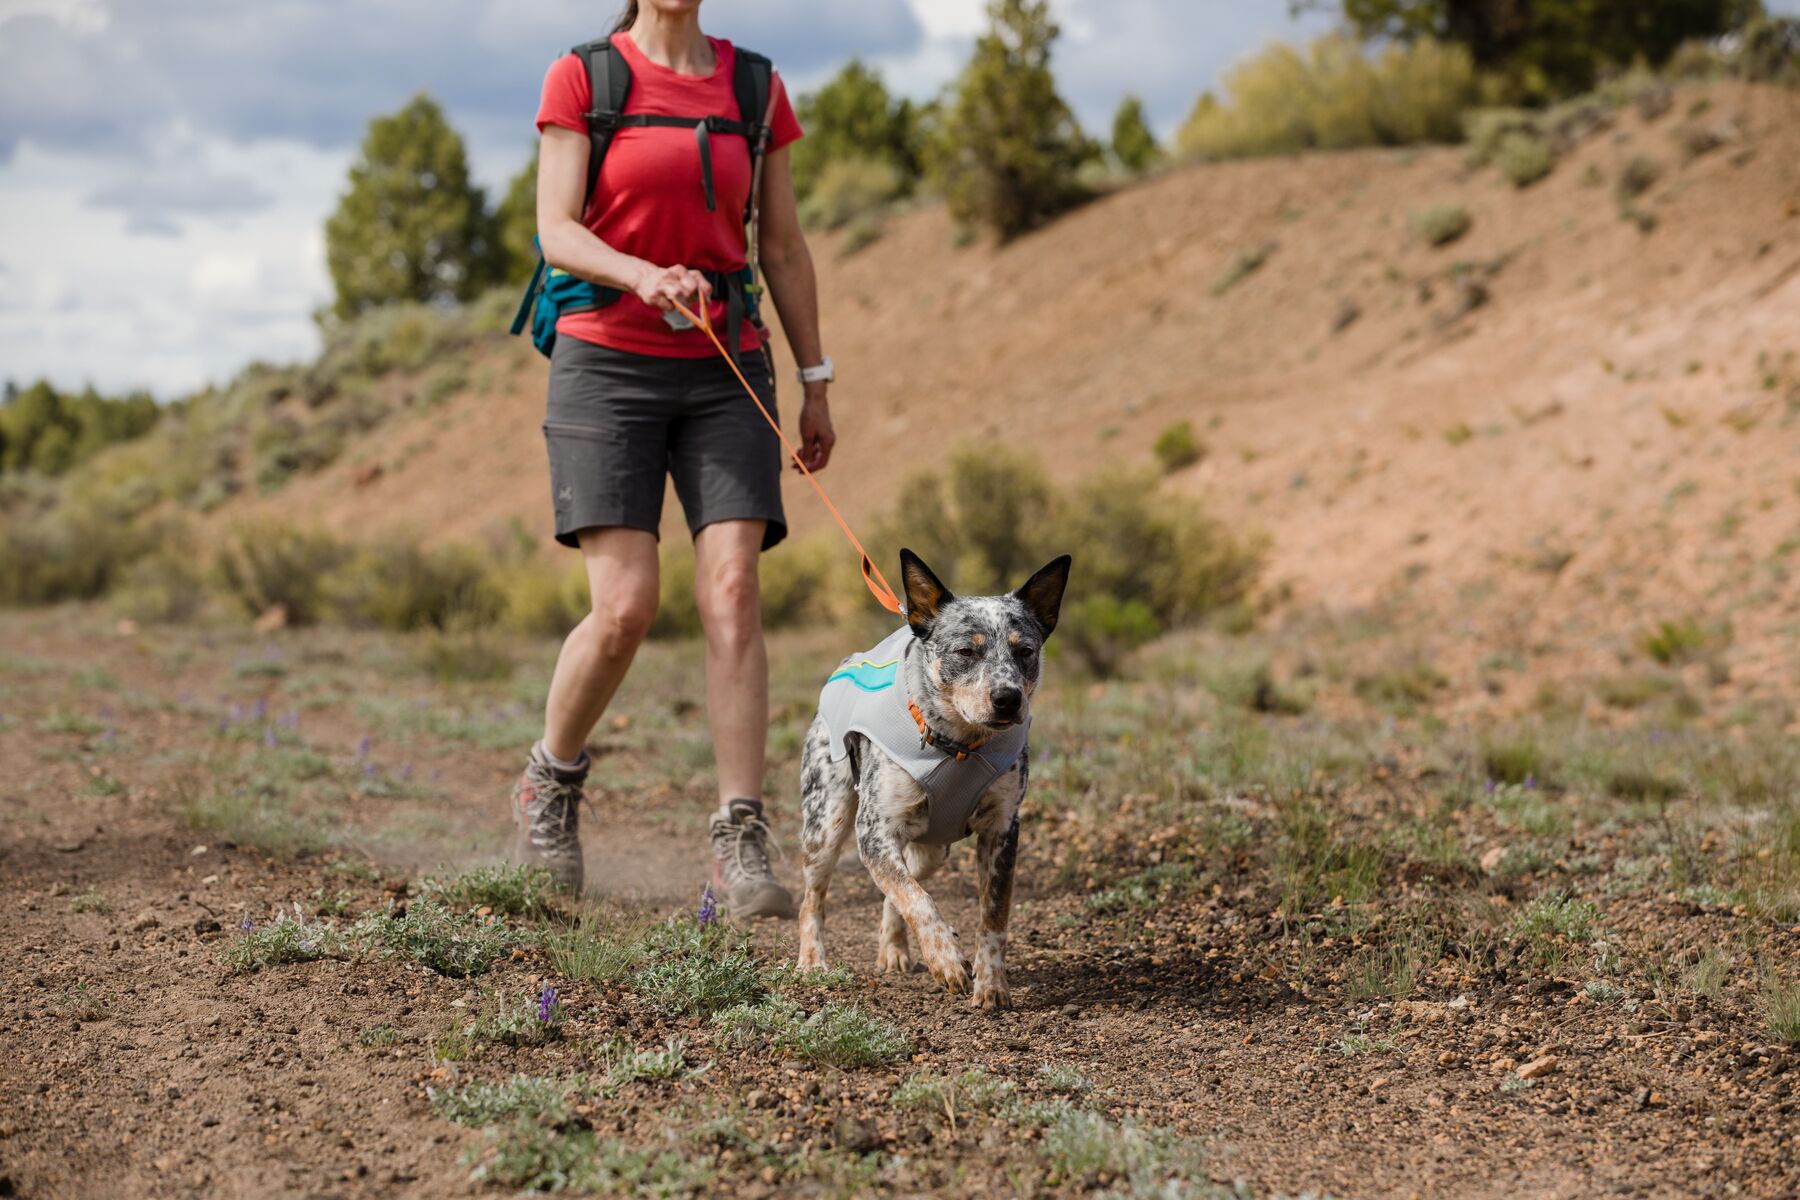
(572, 246)
(788, 265)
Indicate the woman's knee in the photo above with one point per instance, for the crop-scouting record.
(729, 597)
(623, 615)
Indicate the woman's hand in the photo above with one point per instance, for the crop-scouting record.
(661, 287)
(816, 434)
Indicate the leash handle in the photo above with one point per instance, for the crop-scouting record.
(872, 576)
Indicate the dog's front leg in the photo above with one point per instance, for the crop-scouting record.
(882, 851)
(995, 853)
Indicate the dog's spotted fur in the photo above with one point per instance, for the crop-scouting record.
(974, 670)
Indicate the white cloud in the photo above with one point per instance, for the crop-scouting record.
(78, 16)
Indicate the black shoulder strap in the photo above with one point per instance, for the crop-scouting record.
(609, 82)
(753, 80)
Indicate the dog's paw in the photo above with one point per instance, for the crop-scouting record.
(991, 994)
(894, 956)
(811, 959)
(951, 970)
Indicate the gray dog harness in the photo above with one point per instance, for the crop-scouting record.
(867, 695)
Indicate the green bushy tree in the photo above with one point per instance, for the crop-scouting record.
(1134, 147)
(47, 431)
(412, 225)
(515, 224)
(852, 118)
(1546, 49)
(1007, 148)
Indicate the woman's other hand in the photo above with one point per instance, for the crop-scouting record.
(816, 434)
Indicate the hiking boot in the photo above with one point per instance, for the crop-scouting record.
(741, 842)
(546, 820)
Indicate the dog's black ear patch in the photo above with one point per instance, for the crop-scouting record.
(926, 594)
(1042, 594)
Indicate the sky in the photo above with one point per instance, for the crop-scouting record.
(166, 166)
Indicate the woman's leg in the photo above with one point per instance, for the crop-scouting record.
(622, 581)
(622, 586)
(726, 555)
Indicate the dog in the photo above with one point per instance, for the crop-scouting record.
(918, 744)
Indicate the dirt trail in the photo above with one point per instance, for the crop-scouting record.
(136, 1066)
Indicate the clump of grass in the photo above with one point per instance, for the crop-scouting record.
(377, 1035)
(538, 1098)
(1083, 1147)
(700, 984)
(1442, 224)
(1358, 1045)
(682, 966)
(1064, 1080)
(1392, 969)
(1551, 926)
(1177, 447)
(1403, 685)
(1638, 176)
(438, 938)
(520, 1020)
(625, 1063)
(1528, 808)
(531, 1158)
(840, 1035)
(253, 813)
(953, 1096)
(83, 1003)
(284, 940)
(1513, 757)
(1679, 641)
(1245, 264)
(1142, 890)
(1779, 999)
(90, 902)
(1313, 865)
(514, 890)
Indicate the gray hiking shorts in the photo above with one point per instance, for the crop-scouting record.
(619, 424)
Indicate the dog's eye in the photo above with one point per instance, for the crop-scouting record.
(1024, 653)
(967, 652)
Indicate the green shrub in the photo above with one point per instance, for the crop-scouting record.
(1678, 641)
(853, 117)
(517, 891)
(838, 1035)
(1524, 158)
(1134, 147)
(439, 939)
(266, 564)
(536, 1097)
(1244, 264)
(1333, 96)
(1639, 175)
(1102, 631)
(49, 432)
(284, 940)
(166, 585)
(1441, 225)
(1177, 447)
(850, 190)
(75, 550)
(546, 597)
(398, 584)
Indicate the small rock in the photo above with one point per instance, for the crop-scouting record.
(851, 1133)
(758, 1098)
(145, 920)
(206, 925)
(1071, 1011)
(1538, 1066)
(208, 1122)
(273, 618)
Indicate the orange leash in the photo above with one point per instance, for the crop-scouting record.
(878, 584)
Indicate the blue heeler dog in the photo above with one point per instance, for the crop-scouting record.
(919, 743)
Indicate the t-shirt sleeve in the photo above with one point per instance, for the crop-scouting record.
(566, 95)
(784, 126)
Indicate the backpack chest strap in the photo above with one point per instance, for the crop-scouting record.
(703, 127)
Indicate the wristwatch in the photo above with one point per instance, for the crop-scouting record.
(823, 373)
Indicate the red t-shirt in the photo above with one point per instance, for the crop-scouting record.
(650, 201)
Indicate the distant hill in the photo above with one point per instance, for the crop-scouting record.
(1577, 420)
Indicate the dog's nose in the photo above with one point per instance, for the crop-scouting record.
(1007, 701)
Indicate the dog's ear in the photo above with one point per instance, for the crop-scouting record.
(925, 593)
(1042, 594)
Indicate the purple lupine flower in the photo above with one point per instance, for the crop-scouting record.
(362, 747)
(368, 770)
(290, 719)
(1530, 782)
(109, 735)
(549, 1006)
(246, 924)
(261, 711)
(1489, 788)
(106, 712)
(709, 906)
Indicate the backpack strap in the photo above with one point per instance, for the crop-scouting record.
(609, 83)
(753, 81)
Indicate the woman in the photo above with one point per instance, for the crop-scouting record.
(635, 397)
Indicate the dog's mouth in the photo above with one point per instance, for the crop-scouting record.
(1002, 723)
